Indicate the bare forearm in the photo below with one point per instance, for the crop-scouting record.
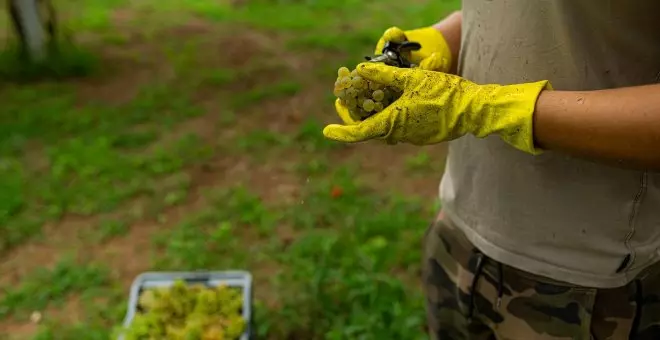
(450, 27)
(618, 125)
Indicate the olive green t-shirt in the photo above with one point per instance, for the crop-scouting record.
(554, 215)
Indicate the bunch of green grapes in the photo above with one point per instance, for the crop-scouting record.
(362, 97)
(184, 312)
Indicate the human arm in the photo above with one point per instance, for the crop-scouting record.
(621, 125)
(450, 28)
(615, 125)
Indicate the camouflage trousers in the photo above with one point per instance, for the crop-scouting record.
(472, 297)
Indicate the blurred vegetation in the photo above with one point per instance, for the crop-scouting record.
(186, 135)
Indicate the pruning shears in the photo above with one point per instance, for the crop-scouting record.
(394, 54)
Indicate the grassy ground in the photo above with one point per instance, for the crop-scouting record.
(195, 143)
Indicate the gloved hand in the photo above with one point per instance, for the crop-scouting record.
(345, 114)
(437, 107)
(434, 54)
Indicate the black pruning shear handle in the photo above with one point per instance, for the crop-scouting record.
(394, 54)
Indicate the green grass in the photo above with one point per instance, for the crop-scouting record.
(51, 286)
(110, 228)
(65, 60)
(282, 89)
(419, 162)
(207, 165)
(345, 264)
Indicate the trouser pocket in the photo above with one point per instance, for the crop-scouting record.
(470, 296)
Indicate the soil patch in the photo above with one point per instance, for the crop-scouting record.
(384, 167)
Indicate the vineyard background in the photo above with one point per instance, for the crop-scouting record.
(189, 139)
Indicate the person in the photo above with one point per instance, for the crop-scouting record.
(550, 220)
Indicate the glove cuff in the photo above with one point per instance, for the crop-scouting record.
(509, 112)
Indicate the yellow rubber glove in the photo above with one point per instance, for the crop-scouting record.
(434, 54)
(437, 107)
(345, 114)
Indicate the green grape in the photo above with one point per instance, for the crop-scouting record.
(345, 82)
(359, 83)
(194, 327)
(236, 327)
(175, 332)
(389, 93)
(361, 96)
(378, 95)
(161, 300)
(216, 332)
(147, 299)
(188, 312)
(142, 326)
(374, 86)
(207, 302)
(363, 114)
(179, 287)
(350, 102)
(368, 105)
(385, 103)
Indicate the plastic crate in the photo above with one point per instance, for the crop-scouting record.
(235, 279)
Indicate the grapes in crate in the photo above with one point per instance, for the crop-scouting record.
(185, 311)
(362, 97)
